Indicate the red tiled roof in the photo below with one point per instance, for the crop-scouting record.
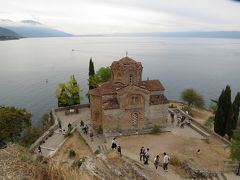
(158, 99)
(103, 89)
(152, 85)
(108, 88)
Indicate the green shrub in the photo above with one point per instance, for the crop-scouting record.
(68, 134)
(72, 153)
(78, 163)
(156, 129)
(30, 136)
(97, 152)
(209, 122)
(175, 161)
(100, 130)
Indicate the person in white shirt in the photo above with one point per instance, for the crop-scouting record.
(114, 143)
(165, 161)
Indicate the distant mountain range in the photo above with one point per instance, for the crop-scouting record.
(197, 34)
(29, 28)
(6, 34)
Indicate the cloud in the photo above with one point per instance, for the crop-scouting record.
(110, 16)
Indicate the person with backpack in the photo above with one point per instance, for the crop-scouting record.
(156, 161)
(166, 159)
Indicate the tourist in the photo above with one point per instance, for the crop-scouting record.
(39, 149)
(60, 127)
(82, 123)
(114, 143)
(64, 132)
(119, 150)
(146, 155)
(142, 153)
(69, 127)
(165, 161)
(86, 129)
(156, 161)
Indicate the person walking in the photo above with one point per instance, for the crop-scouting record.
(39, 149)
(146, 155)
(119, 149)
(156, 161)
(142, 153)
(166, 159)
(114, 143)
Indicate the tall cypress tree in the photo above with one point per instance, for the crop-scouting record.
(235, 115)
(91, 72)
(219, 116)
(91, 68)
(228, 111)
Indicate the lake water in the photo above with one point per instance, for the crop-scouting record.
(205, 64)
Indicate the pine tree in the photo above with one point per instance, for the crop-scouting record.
(219, 124)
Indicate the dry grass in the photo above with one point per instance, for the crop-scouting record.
(76, 143)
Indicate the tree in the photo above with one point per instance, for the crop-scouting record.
(235, 148)
(91, 68)
(219, 121)
(227, 110)
(62, 95)
(104, 74)
(235, 111)
(227, 113)
(73, 90)
(68, 94)
(91, 74)
(13, 121)
(192, 98)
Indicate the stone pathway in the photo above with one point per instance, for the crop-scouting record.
(53, 143)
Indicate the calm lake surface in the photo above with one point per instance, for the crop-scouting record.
(205, 64)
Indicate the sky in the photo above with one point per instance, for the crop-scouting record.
(126, 16)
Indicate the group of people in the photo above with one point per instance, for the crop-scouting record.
(116, 146)
(145, 155)
(84, 127)
(182, 121)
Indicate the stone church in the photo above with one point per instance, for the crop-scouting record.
(126, 104)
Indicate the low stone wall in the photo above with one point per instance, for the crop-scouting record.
(78, 106)
(194, 121)
(197, 173)
(46, 134)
